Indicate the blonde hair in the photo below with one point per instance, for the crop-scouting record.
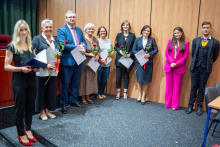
(16, 37)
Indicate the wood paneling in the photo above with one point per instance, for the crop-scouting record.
(138, 14)
(92, 11)
(166, 15)
(42, 13)
(210, 12)
(56, 10)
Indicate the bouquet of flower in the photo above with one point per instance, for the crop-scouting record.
(148, 47)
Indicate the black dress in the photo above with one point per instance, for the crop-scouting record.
(24, 91)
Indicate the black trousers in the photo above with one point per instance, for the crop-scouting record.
(119, 71)
(46, 94)
(24, 91)
(199, 78)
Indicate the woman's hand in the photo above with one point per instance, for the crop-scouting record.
(121, 52)
(101, 61)
(173, 65)
(36, 69)
(127, 56)
(25, 69)
(96, 57)
(146, 56)
(50, 67)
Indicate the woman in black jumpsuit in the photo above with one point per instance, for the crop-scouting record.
(23, 80)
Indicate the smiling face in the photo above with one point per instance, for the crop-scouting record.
(177, 34)
(146, 32)
(90, 30)
(47, 29)
(125, 27)
(23, 31)
(71, 19)
(102, 33)
(206, 30)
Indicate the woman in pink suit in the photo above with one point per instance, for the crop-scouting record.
(177, 52)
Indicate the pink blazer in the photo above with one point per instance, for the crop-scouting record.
(180, 58)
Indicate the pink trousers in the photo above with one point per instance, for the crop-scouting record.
(173, 87)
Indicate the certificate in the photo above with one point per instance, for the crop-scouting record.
(51, 55)
(104, 55)
(140, 57)
(94, 65)
(126, 61)
(77, 55)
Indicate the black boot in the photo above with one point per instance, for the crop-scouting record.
(199, 111)
(64, 109)
(189, 110)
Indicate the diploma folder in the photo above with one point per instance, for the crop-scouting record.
(40, 60)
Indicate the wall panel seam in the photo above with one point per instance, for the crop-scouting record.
(198, 18)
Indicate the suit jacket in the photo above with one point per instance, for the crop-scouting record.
(213, 52)
(63, 34)
(138, 45)
(180, 58)
(129, 44)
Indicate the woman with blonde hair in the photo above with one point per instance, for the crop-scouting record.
(23, 80)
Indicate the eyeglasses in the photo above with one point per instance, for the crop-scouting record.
(72, 17)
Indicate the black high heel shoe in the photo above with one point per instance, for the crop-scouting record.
(142, 103)
(117, 97)
(138, 101)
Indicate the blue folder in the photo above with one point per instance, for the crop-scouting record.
(34, 63)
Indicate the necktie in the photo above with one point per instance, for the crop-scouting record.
(75, 36)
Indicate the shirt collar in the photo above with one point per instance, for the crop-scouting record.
(210, 37)
(45, 37)
(70, 26)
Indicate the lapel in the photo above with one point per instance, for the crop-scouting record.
(210, 43)
(69, 35)
(44, 41)
(198, 45)
(56, 44)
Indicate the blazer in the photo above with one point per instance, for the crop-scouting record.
(213, 53)
(180, 58)
(63, 34)
(138, 45)
(129, 44)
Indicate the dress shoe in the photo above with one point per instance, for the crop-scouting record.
(77, 105)
(90, 102)
(64, 109)
(43, 117)
(189, 110)
(25, 144)
(142, 103)
(33, 139)
(199, 111)
(138, 101)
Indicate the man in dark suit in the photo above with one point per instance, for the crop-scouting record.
(70, 71)
(205, 51)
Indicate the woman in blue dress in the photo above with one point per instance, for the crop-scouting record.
(144, 73)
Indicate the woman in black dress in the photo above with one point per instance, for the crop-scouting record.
(144, 73)
(125, 38)
(23, 80)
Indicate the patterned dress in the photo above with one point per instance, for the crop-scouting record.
(88, 80)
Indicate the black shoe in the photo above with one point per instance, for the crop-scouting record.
(138, 101)
(64, 109)
(142, 103)
(189, 110)
(77, 105)
(199, 111)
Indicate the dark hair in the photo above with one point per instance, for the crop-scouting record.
(182, 40)
(206, 23)
(146, 26)
(98, 32)
(123, 22)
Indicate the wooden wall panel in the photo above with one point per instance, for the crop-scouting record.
(42, 13)
(210, 12)
(56, 10)
(138, 14)
(166, 15)
(92, 11)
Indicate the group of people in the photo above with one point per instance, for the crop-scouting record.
(28, 85)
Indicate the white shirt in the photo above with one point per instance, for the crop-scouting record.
(144, 43)
(52, 40)
(72, 32)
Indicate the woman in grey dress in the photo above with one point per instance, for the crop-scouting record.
(88, 80)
